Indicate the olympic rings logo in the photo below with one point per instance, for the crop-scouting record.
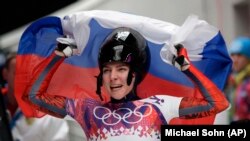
(121, 116)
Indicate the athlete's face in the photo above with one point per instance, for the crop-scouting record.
(115, 76)
(239, 62)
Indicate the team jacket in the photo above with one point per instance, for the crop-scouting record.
(134, 120)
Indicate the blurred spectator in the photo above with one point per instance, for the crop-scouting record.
(23, 128)
(238, 87)
(2, 62)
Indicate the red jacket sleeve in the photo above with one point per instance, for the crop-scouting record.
(212, 102)
(36, 91)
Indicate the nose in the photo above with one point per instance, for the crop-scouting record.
(113, 75)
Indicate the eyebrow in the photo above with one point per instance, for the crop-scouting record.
(119, 65)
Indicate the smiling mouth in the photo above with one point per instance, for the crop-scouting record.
(115, 87)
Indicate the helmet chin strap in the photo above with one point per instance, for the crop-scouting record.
(130, 77)
(99, 85)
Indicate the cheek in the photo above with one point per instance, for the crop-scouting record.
(124, 78)
(105, 79)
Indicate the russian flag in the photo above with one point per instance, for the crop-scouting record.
(205, 45)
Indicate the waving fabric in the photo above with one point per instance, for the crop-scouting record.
(205, 44)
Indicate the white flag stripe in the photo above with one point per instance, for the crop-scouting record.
(193, 34)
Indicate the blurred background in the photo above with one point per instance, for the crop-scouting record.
(231, 17)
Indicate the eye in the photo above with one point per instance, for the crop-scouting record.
(105, 70)
(123, 69)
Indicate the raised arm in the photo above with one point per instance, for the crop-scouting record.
(213, 100)
(37, 88)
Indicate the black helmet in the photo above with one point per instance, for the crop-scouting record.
(128, 46)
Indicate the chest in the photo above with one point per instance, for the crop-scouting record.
(128, 119)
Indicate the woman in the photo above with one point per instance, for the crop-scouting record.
(123, 62)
